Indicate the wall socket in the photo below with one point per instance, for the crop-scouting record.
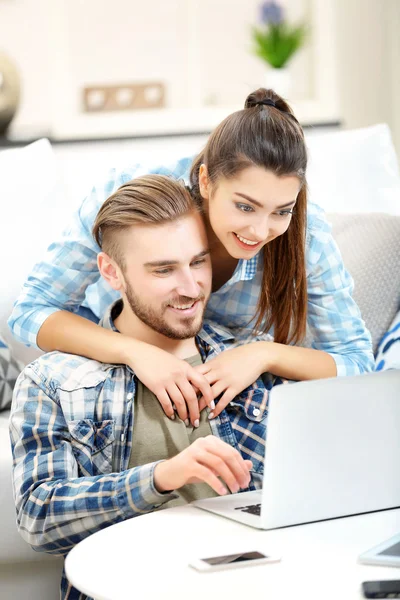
(126, 96)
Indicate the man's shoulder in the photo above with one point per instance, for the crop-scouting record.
(59, 370)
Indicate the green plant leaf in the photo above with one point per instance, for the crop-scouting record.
(276, 44)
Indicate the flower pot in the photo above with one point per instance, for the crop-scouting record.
(280, 81)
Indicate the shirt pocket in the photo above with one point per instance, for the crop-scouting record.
(92, 445)
(252, 403)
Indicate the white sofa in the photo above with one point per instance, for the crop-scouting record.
(350, 172)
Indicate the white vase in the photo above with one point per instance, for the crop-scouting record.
(280, 81)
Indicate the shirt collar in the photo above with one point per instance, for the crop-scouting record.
(246, 269)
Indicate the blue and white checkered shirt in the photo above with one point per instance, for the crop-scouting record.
(71, 432)
(68, 279)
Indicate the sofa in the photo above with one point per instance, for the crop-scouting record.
(353, 175)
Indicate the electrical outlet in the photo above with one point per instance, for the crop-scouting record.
(126, 96)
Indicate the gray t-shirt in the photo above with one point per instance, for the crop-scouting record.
(155, 437)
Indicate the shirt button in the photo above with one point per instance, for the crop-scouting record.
(129, 396)
(256, 412)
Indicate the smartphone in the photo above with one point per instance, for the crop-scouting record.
(389, 588)
(231, 561)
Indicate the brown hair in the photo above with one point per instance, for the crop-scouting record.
(267, 136)
(150, 200)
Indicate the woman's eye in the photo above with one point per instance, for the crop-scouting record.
(285, 213)
(244, 207)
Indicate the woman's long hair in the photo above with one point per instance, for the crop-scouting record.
(269, 136)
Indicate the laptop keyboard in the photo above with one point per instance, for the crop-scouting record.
(251, 509)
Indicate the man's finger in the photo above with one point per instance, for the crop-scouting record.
(205, 474)
(224, 468)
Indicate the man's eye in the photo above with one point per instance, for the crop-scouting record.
(166, 271)
(198, 263)
(244, 207)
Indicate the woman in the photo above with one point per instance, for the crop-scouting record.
(275, 266)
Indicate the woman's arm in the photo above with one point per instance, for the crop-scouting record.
(170, 378)
(334, 319)
(59, 282)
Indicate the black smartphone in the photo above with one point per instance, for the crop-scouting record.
(389, 588)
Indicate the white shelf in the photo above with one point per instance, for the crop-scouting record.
(161, 122)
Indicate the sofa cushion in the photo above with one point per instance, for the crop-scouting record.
(10, 368)
(388, 355)
(370, 247)
(31, 216)
(354, 171)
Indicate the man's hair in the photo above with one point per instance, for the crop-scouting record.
(148, 200)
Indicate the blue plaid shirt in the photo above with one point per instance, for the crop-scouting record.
(71, 433)
(68, 279)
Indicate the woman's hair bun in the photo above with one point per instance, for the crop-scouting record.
(258, 97)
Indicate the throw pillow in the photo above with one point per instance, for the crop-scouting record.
(370, 247)
(32, 215)
(388, 356)
(354, 171)
(9, 371)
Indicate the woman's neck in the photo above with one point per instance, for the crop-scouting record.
(223, 264)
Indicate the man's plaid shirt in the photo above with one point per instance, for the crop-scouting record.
(71, 433)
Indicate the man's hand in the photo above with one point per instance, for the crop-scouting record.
(204, 461)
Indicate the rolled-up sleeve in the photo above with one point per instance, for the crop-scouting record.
(334, 319)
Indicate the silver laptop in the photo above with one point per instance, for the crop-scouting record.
(333, 450)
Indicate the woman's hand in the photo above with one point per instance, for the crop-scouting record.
(171, 379)
(232, 371)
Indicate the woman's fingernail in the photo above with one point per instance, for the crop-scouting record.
(212, 404)
(196, 423)
(211, 416)
(172, 417)
(187, 423)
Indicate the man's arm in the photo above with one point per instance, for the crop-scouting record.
(56, 507)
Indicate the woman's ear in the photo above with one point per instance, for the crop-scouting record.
(110, 271)
(204, 184)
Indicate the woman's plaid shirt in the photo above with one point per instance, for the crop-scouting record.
(71, 433)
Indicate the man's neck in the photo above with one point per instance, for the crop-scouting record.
(128, 324)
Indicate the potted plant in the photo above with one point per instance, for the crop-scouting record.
(275, 42)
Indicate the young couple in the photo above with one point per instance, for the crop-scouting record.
(100, 439)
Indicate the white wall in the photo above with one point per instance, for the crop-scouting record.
(368, 34)
(201, 49)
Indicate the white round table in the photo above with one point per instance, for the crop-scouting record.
(148, 557)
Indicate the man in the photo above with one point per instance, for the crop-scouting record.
(91, 445)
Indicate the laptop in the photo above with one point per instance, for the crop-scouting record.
(333, 450)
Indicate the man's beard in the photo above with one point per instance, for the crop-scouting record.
(155, 320)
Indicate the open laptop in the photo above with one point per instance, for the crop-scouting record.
(333, 450)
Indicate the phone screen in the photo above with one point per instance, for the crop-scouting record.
(382, 589)
(233, 558)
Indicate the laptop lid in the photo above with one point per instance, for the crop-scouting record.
(333, 449)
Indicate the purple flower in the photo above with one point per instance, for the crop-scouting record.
(271, 13)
